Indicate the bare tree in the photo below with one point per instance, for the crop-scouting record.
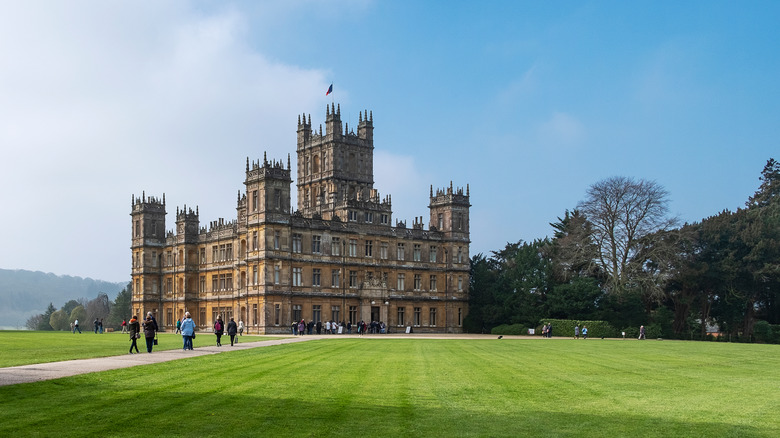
(622, 212)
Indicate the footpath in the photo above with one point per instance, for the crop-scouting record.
(67, 368)
(55, 370)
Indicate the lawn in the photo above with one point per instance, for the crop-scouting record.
(27, 347)
(420, 388)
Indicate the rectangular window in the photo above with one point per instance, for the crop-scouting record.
(202, 284)
(316, 313)
(254, 241)
(277, 274)
(297, 312)
(254, 274)
(315, 277)
(137, 228)
(369, 217)
(352, 216)
(277, 240)
(353, 247)
(460, 255)
(460, 316)
(401, 252)
(417, 316)
(214, 254)
(417, 253)
(277, 314)
(254, 314)
(353, 314)
(315, 244)
(417, 281)
(353, 280)
(297, 277)
(277, 199)
(401, 320)
(460, 283)
(203, 256)
(335, 246)
(334, 313)
(369, 248)
(385, 219)
(432, 254)
(432, 317)
(401, 282)
(432, 283)
(214, 283)
(335, 278)
(383, 250)
(254, 200)
(296, 243)
(229, 251)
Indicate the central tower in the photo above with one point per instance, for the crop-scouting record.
(336, 170)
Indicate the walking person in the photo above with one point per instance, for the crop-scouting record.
(576, 332)
(187, 331)
(232, 329)
(150, 331)
(240, 327)
(302, 328)
(124, 326)
(584, 332)
(96, 325)
(76, 326)
(100, 326)
(219, 330)
(134, 328)
(641, 332)
(178, 326)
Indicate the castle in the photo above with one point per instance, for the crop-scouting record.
(338, 257)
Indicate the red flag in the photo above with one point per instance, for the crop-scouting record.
(330, 89)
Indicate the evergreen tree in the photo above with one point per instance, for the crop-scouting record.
(44, 321)
(121, 309)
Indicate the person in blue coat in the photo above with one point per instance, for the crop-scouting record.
(187, 331)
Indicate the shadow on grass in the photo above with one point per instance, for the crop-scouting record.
(75, 407)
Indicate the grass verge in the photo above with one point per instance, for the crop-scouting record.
(413, 388)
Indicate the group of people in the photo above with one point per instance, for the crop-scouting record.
(150, 330)
(300, 328)
(98, 325)
(185, 326)
(233, 330)
(577, 332)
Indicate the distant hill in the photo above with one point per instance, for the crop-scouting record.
(27, 293)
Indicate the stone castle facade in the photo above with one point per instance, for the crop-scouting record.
(338, 257)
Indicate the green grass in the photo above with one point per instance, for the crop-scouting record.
(420, 388)
(27, 347)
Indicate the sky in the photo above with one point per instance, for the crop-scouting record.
(527, 103)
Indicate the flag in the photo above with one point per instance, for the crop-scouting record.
(330, 89)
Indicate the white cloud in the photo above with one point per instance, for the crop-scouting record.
(399, 176)
(561, 130)
(102, 100)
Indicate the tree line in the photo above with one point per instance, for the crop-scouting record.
(620, 257)
(86, 311)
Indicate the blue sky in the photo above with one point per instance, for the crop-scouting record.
(528, 103)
